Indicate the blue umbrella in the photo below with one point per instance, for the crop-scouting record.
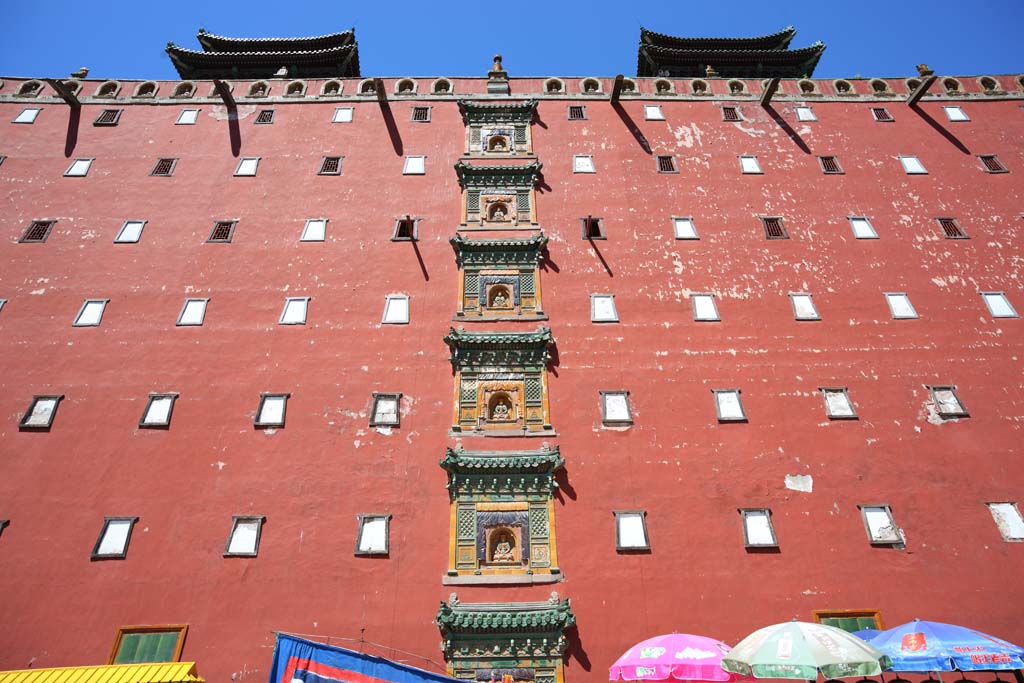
(933, 646)
(866, 633)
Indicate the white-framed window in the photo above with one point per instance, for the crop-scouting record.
(631, 530)
(758, 531)
(79, 168)
(1008, 520)
(615, 408)
(112, 543)
(386, 410)
(583, 163)
(728, 406)
(315, 230)
(271, 411)
(805, 114)
(193, 312)
(40, 413)
(946, 401)
(27, 115)
(91, 313)
(187, 117)
(862, 228)
(652, 112)
(602, 308)
(684, 228)
(415, 165)
(912, 165)
(998, 305)
(803, 306)
(838, 405)
(900, 306)
(247, 166)
(704, 308)
(880, 525)
(294, 311)
(342, 115)
(130, 232)
(749, 164)
(373, 536)
(396, 309)
(956, 114)
(244, 537)
(158, 411)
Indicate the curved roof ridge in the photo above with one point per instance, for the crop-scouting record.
(210, 41)
(779, 40)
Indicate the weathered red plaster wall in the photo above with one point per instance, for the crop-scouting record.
(690, 473)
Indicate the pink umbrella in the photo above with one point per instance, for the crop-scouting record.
(678, 656)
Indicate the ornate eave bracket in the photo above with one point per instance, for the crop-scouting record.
(533, 628)
(529, 473)
(528, 350)
(526, 251)
(503, 112)
(473, 176)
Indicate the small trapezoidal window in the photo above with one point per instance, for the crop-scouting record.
(108, 117)
(577, 113)
(37, 231)
(881, 114)
(774, 229)
(421, 114)
(330, 166)
(667, 164)
(830, 166)
(164, 167)
(222, 231)
(265, 116)
(731, 114)
(405, 230)
(992, 164)
(593, 228)
(951, 229)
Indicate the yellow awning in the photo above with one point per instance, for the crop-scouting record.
(172, 672)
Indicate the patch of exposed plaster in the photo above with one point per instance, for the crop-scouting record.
(800, 482)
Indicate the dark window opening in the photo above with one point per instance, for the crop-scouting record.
(108, 117)
(882, 114)
(577, 113)
(38, 231)
(223, 231)
(265, 116)
(774, 229)
(330, 166)
(951, 229)
(992, 164)
(164, 167)
(421, 114)
(406, 230)
(730, 114)
(830, 165)
(593, 228)
(667, 164)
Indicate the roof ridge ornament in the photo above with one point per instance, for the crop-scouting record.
(497, 79)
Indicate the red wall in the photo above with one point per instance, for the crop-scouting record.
(690, 473)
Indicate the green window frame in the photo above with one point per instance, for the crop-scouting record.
(148, 644)
(850, 620)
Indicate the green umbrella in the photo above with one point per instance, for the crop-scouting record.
(800, 650)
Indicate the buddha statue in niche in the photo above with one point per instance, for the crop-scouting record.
(499, 298)
(500, 409)
(498, 144)
(503, 544)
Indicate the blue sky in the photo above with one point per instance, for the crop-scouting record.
(126, 38)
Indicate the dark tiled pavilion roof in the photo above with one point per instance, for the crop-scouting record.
(758, 57)
(331, 56)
